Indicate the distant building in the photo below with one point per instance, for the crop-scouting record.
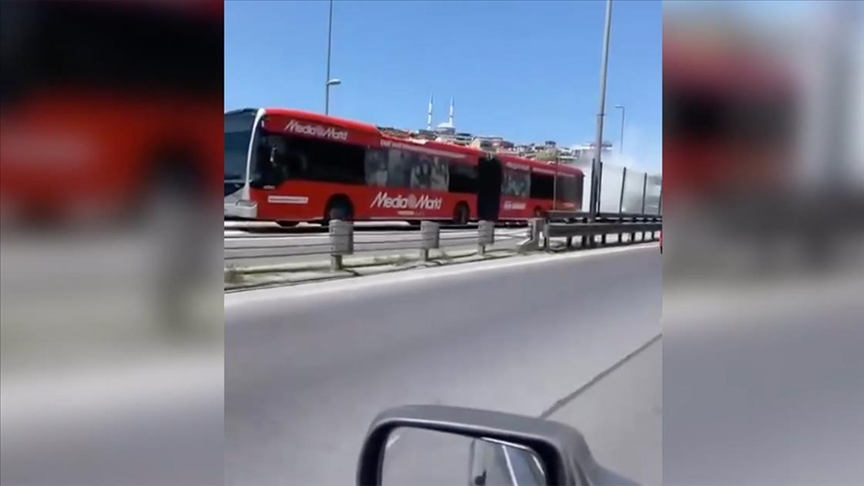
(579, 155)
(587, 152)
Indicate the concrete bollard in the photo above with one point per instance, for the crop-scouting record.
(536, 229)
(485, 236)
(341, 242)
(430, 238)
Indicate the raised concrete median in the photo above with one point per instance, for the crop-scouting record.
(243, 278)
(338, 259)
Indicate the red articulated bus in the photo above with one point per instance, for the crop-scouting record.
(529, 188)
(104, 104)
(292, 166)
(729, 117)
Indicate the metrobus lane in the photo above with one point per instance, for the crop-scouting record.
(308, 367)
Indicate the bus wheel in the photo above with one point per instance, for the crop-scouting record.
(338, 208)
(460, 214)
(287, 224)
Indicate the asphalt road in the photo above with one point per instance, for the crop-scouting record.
(307, 368)
(621, 417)
(763, 380)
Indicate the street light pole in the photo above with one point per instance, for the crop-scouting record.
(623, 110)
(327, 82)
(596, 166)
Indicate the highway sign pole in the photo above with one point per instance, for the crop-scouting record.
(596, 164)
(644, 189)
(621, 196)
(623, 112)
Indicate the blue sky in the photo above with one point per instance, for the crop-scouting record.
(524, 70)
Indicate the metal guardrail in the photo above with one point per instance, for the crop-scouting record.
(576, 216)
(272, 247)
(571, 224)
(340, 239)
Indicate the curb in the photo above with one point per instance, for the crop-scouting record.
(323, 272)
(352, 262)
(317, 272)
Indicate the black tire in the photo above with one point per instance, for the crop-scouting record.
(414, 222)
(461, 214)
(287, 224)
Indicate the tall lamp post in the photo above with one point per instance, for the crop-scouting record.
(623, 110)
(329, 81)
(596, 166)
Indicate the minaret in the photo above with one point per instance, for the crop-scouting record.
(450, 119)
(429, 114)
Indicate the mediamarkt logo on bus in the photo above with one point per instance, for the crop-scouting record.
(383, 200)
(316, 131)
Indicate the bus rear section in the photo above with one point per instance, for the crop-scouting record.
(530, 189)
(291, 166)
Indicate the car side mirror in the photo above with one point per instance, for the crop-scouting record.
(435, 444)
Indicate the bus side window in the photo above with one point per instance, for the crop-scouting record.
(440, 177)
(282, 158)
(462, 177)
(295, 165)
(516, 183)
(399, 169)
(542, 186)
(421, 173)
(321, 161)
(270, 161)
(376, 167)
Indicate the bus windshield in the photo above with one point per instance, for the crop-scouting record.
(238, 134)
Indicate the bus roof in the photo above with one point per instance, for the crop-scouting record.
(368, 131)
(539, 166)
(343, 123)
(435, 145)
